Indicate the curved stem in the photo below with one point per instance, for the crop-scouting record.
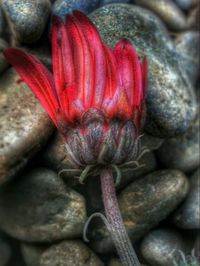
(116, 226)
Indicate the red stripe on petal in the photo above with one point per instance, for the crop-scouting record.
(144, 69)
(37, 77)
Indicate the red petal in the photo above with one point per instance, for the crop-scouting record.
(99, 61)
(144, 69)
(37, 77)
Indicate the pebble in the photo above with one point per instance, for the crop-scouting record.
(38, 207)
(161, 247)
(168, 11)
(182, 152)
(26, 19)
(171, 102)
(106, 2)
(144, 203)
(188, 215)
(25, 126)
(184, 4)
(5, 252)
(3, 62)
(63, 7)
(193, 17)
(188, 44)
(65, 253)
(2, 23)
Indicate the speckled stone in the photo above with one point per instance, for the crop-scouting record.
(5, 252)
(24, 126)
(168, 11)
(160, 247)
(106, 2)
(170, 100)
(39, 207)
(3, 62)
(188, 44)
(65, 253)
(63, 7)
(26, 19)
(188, 215)
(144, 203)
(182, 152)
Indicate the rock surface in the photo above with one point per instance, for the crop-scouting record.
(3, 62)
(170, 101)
(39, 207)
(5, 252)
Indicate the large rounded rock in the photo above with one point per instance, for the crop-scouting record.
(66, 253)
(39, 207)
(188, 215)
(170, 100)
(24, 126)
(26, 19)
(145, 203)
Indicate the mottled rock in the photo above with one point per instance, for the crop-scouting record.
(24, 125)
(63, 7)
(168, 11)
(188, 44)
(5, 252)
(39, 207)
(26, 19)
(182, 152)
(184, 4)
(143, 204)
(105, 2)
(188, 215)
(170, 100)
(161, 247)
(3, 62)
(65, 253)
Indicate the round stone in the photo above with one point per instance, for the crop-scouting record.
(171, 103)
(182, 152)
(65, 253)
(168, 11)
(3, 62)
(26, 19)
(188, 215)
(63, 7)
(39, 207)
(143, 204)
(161, 247)
(25, 126)
(106, 2)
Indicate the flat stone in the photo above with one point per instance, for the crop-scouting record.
(188, 215)
(143, 204)
(38, 207)
(182, 152)
(63, 7)
(188, 44)
(26, 19)
(161, 247)
(171, 102)
(5, 252)
(65, 253)
(168, 11)
(24, 127)
(3, 63)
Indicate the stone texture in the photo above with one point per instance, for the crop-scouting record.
(168, 11)
(24, 126)
(161, 247)
(184, 4)
(26, 19)
(3, 62)
(188, 215)
(2, 23)
(65, 253)
(182, 152)
(143, 204)
(5, 252)
(39, 207)
(193, 17)
(170, 101)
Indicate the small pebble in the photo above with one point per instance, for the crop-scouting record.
(26, 19)
(38, 207)
(144, 203)
(182, 152)
(188, 215)
(161, 247)
(25, 126)
(63, 7)
(106, 2)
(65, 253)
(168, 11)
(3, 63)
(5, 252)
(171, 103)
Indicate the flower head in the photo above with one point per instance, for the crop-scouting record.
(95, 96)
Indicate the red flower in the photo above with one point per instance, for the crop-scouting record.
(90, 82)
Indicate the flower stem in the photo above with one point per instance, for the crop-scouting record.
(116, 226)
